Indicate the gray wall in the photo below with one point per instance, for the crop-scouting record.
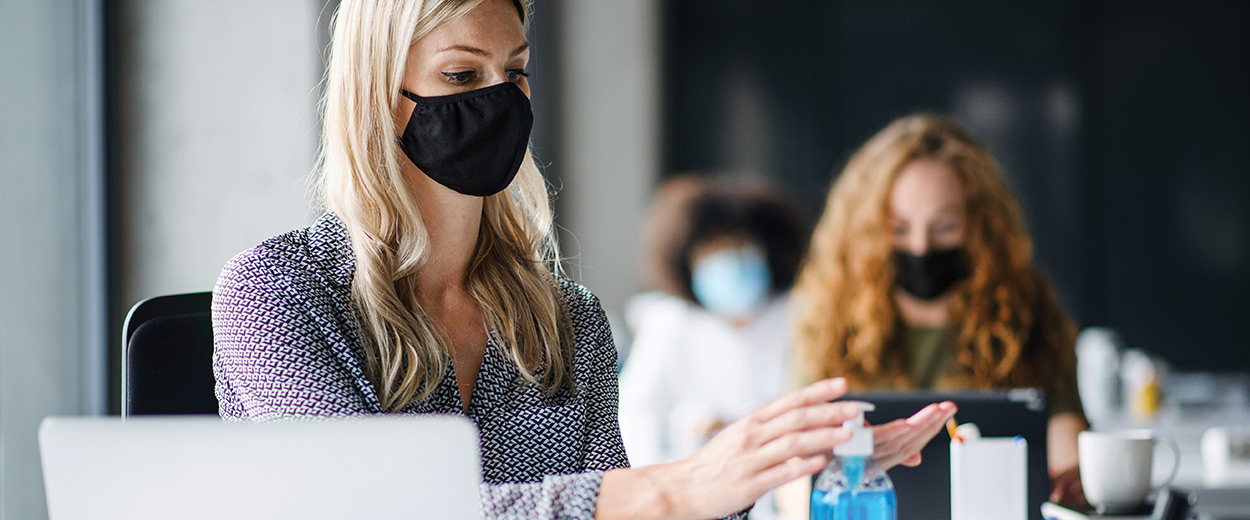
(51, 207)
(609, 151)
(215, 135)
(216, 132)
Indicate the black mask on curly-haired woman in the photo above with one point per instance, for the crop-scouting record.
(930, 275)
(472, 142)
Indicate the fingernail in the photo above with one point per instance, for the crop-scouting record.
(837, 382)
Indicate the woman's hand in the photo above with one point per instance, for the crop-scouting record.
(789, 438)
(1063, 459)
(1066, 489)
(708, 427)
(900, 441)
(786, 439)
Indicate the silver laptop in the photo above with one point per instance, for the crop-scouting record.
(106, 468)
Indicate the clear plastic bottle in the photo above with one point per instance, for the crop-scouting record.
(853, 487)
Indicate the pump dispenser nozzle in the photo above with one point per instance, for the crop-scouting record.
(853, 485)
(861, 436)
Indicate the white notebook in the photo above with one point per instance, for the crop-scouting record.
(989, 479)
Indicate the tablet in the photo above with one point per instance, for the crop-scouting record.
(924, 492)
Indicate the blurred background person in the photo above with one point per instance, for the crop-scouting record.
(920, 276)
(711, 340)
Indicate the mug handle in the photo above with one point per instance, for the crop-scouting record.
(1176, 460)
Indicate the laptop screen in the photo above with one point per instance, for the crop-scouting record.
(106, 468)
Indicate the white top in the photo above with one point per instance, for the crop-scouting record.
(688, 367)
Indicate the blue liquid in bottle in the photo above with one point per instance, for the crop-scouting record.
(853, 488)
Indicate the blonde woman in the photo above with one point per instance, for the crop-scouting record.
(427, 287)
(920, 275)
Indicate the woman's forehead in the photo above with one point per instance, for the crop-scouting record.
(492, 22)
(926, 187)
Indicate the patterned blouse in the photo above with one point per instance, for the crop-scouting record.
(287, 344)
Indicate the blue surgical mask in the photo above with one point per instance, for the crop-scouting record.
(732, 282)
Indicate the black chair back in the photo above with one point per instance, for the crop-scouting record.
(167, 357)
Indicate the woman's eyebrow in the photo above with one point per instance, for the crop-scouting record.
(463, 48)
(479, 51)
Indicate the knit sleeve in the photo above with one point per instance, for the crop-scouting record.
(604, 449)
(562, 495)
(574, 496)
(273, 357)
(556, 496)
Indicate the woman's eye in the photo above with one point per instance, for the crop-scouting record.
(515, 75)
(459, 78)
(946, 227)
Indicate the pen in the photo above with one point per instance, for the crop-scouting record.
(950, 428)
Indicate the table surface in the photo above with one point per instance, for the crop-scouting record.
(1185, 426)
(1213, 504)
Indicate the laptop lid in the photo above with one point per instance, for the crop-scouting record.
(924, 492)
(415, 466)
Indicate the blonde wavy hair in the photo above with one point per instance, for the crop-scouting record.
(511, 272)
(1012, 331)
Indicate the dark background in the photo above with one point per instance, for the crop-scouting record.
(1123, 127)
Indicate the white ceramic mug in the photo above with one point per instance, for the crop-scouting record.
(1116, 467)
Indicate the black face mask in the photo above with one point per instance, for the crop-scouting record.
(930, 275)
(472, 142)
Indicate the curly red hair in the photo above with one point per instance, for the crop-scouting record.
(1012, 330)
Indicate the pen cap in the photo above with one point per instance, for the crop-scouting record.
(968, 431)
(861, 435)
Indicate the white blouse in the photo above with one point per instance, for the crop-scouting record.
(688, 368)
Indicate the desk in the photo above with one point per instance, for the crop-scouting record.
(1185, 426)
(1213, 504)
(1224, 504)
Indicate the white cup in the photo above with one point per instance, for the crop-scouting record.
(1116, 466)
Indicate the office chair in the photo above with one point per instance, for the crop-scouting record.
(167, 357)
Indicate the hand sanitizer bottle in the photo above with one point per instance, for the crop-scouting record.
(853, 487)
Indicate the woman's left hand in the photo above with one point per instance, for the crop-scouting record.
(900, 441)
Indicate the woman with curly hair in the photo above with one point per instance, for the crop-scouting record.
(920, 275)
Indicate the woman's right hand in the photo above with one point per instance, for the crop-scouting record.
(786, 439)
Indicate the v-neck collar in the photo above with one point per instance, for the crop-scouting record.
(478, 390)
(493, 378)
(329, 242)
